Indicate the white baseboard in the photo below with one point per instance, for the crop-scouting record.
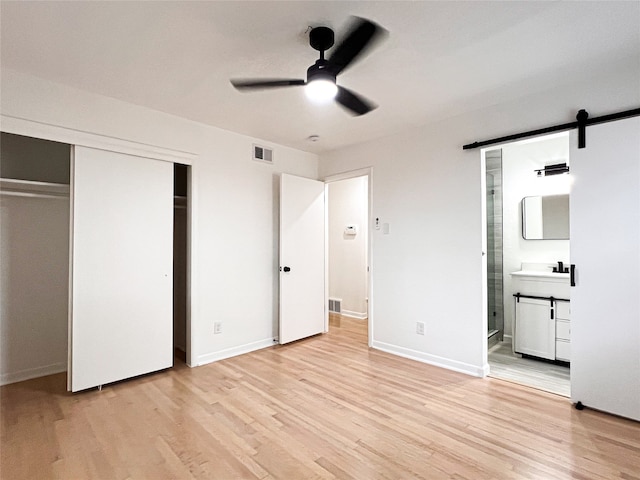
(507, 338)
(29, 373)
(233, 351)
(358, 315)
(435, 360)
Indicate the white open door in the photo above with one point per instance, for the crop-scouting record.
(302, 269)
(121, 267)
(605, 248)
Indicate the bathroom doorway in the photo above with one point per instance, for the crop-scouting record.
(511, 176)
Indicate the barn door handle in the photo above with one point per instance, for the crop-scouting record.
(572, 275)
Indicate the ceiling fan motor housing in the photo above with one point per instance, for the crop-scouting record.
(318, 71)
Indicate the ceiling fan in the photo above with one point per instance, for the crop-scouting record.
(320, 84)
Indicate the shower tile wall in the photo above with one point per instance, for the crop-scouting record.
(494, 242)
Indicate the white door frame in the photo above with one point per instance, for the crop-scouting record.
(71, 136)
(361, 172)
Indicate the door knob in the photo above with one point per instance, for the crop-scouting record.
(286, 269)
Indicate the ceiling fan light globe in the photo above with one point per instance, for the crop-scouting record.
(321, 90)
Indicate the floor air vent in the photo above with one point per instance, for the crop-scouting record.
(262, 154)
(335, 305)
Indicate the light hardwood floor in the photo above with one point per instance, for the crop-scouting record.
(325, 407)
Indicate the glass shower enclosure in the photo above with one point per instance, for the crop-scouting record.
(495, 303)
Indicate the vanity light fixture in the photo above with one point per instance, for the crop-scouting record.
(555, 169)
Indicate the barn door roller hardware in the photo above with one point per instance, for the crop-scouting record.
(581, 123)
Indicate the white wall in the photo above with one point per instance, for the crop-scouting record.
(430, 268)
(235, 204)
(348, 205)
(519, 160)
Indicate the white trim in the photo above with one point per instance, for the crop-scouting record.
(360, 172)
(358, 315)
(433, 359)
(46, 131)
(72, 179)
(29, 373)
(326, 258)
(192, 264)
(234, 351)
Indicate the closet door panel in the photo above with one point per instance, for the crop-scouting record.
(122, 267)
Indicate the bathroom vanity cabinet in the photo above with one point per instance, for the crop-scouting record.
(542, 321)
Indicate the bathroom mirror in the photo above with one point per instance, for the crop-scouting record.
(545, 217)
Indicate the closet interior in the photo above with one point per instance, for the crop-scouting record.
(35, 257)
(180, 259)
(34, 239)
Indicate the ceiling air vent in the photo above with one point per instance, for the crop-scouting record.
(262, 154)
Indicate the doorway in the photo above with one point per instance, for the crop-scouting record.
(348, 272)
(511, 176)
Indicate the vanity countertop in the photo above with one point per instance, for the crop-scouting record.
(540, 274)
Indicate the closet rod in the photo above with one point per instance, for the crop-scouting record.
(10, 193)
(33, 189)
(582, 121)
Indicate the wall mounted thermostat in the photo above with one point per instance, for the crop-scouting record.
(351, 230)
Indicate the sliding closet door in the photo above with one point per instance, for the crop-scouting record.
(605, 247)
(122, 270)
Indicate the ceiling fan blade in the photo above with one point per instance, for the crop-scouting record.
(356, 104)
(263, 83)
(359, 38)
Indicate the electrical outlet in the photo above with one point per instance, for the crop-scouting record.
(217, 328)
(420, 328)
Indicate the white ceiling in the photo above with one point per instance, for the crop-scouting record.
(439, 59)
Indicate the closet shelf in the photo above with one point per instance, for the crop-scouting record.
(30, 188)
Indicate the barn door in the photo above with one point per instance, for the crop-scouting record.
(605, 249)
(121, 267)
